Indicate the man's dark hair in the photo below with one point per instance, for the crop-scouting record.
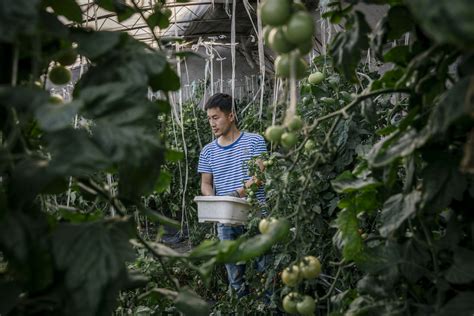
(220, 100)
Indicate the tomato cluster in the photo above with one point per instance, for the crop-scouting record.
(296, 303)
(285, 135)
(289, 30)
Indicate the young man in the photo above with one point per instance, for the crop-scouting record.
(224, 170)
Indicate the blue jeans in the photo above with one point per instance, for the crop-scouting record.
(236, 272)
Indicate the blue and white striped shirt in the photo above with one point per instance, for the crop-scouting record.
(228, 164)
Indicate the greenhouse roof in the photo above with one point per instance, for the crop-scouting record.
(190, 20)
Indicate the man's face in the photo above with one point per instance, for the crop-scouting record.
(221, 123)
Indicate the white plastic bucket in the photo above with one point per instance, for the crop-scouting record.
(222, 209)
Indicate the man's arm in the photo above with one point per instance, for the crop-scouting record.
(206, 184)
(252, 180)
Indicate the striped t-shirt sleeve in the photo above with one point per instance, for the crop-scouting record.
(260, 147)
(204, 165)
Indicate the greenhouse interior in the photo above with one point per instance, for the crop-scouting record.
(225, 157)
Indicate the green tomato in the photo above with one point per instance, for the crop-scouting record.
(310, 267)
(56, 99)
(306, 306)
(328, 101)
(300, 27)
(346, 96)
(266, 34)
(167, 12)
(288, 140)
(283, 63)
(67, 57)
(316, 78)
(278, 42)
(295, 124)
(290, 301)
(59, 75)
(309, 145)
(265, 224)
(291, 276)
(273, 133)
(275, 12)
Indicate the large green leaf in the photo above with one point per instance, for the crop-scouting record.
(91, 257)
(346, 183)
(455, 104)
(94, 44)
(120, 7)
(461, 305)
(347, 237)
(394, 146)
(191, 304)
(392, 26)
(75, 153)
(442, 182)
(396, 210)
(446, 21)
(54, 117)
(24, 241)
(67, 8)
(347, 47)
(381, 257)
(18, 18)
(462, 270)
(138, 179)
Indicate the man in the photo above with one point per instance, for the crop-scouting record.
(224, 170)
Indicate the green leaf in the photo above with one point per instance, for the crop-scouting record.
(390, 79)
(392, 26)
(400, 21)
(165, 251)
(118, 6)
(67, 8)
(54, 117)
(461, 305)
(74, 153)
(347, 46)
(173, 155)
(139, 178)
(380, 258)
(158, 19)
(168, 80)
(25, 100)
(191, 304)
(163, 107)
(9, 296)
(25, 244)
(94, 44)
(18, 18)
(396, 210)
(446, 21)
(455, 104)
(346, 183)
(164, 181)
(347, 237)
(462, 270)
(157, 217)
(414, 259)
(442, 182)
(91, 258)
(399, 55)
(394, 146)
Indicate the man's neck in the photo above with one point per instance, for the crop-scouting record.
(230, 137)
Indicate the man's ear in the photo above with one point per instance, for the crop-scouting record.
(232, 116)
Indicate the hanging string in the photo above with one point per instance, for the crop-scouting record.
(232, 50)
(184, 213)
